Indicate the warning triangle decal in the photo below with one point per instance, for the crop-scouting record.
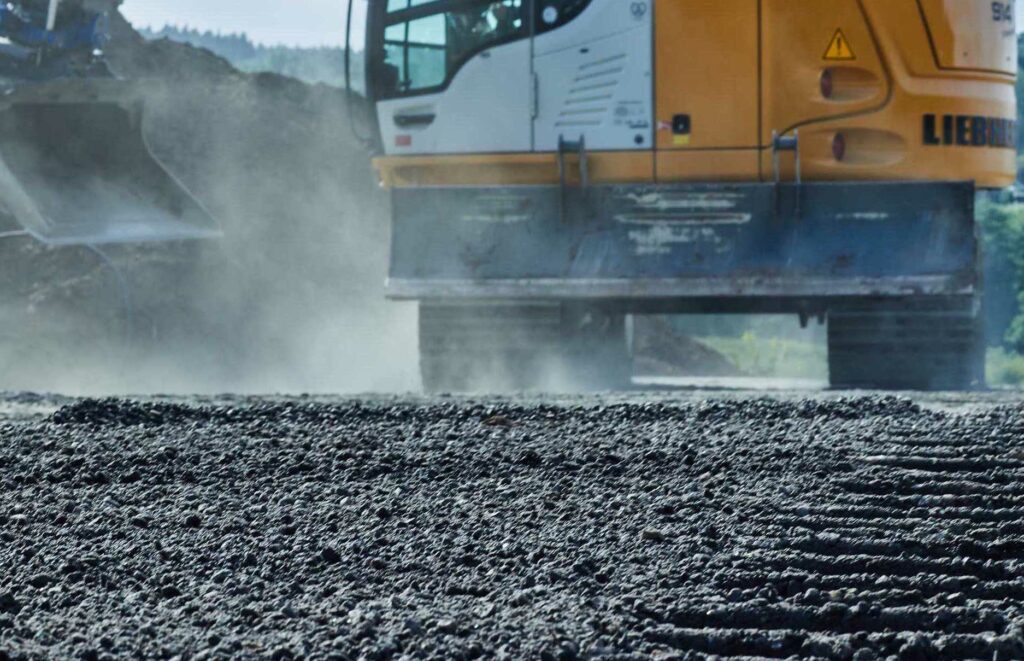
(839, 48)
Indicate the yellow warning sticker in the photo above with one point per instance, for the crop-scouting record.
(839, 48)
(681, 140)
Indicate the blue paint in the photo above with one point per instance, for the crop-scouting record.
(86, 33)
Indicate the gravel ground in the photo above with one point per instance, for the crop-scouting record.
(679, 526)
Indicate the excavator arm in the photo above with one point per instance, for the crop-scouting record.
(75, 165)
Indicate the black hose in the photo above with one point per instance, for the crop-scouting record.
(366, 141)
(348, 49)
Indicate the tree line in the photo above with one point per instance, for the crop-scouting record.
(312, 65)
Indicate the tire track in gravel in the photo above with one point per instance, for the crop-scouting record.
(854, 529)
(921, 543)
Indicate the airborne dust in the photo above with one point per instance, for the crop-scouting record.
(291, 299)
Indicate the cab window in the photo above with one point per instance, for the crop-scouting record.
(427, 41)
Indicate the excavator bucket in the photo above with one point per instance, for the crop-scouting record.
(76, 169)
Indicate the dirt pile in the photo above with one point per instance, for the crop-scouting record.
(855, 529)
(660, 350)
(290, 299)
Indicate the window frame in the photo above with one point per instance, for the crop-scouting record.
(540, 27)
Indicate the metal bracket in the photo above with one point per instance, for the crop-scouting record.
(781, 143)
(580, 148)
(567, 147)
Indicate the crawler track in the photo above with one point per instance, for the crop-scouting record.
(857, 528)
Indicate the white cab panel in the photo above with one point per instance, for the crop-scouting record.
(486, 109)
(594, 78)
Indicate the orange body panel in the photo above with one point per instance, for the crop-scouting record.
(916, 90)
(796, 36)
(707, 59)
(885, 135)
(706, 55)
(707, 165)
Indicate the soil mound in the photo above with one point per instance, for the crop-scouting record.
(663, 351)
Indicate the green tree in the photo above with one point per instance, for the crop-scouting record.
(1002, 231)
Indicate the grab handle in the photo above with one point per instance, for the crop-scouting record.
(421, 119)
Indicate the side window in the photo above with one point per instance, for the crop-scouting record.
(417, 51)
(552, 14)
(423, 49)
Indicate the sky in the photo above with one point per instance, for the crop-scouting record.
(291, 22)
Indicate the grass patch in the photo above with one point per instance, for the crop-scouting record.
(1004, 368)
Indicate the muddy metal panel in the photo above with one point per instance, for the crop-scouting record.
(684, 241)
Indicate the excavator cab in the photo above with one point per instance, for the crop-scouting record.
(75, 165)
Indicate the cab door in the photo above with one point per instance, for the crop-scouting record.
(708, 99)
(453, 76)
(592, 60)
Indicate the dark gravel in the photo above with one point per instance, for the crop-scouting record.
(857, 529)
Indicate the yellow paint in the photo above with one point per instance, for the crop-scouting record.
(839, 48)
(510, 169)
(706, 165)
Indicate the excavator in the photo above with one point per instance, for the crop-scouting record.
(557, 167)
(75, 166)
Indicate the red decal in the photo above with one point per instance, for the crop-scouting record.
(403, 141)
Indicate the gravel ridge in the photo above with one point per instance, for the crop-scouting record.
(855, 528)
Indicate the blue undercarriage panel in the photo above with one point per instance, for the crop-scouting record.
(685, 241)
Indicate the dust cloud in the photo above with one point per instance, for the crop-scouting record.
(291, 299)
